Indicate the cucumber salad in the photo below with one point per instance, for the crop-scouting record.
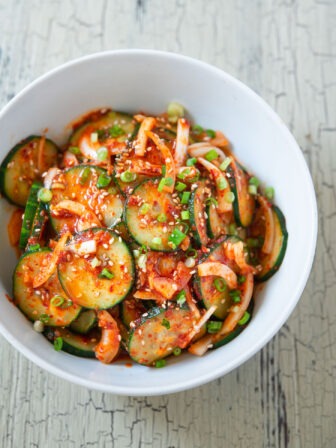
(143, 236)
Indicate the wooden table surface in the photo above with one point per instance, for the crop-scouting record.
(283, 397)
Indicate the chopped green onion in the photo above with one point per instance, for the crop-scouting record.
(38, 326)
(183, 174)
(67, 304)
(191, 162)
(232, 229)
(210, 201)
(57, 301)
(197, 129)
(252, 189)
(174, 111)
(127, 176)
(34, 247)
(229, 197)
(165, 323)
(162, 217)
(185, 197)
(219, 284)
(180, 186)
(226, 162)
(254, 181)
(116, 131)
(165, 181)
(235, 295)
(210, 133)
(112, 190)
(160, 363)
(144, 209)
(58, 344)
(74, 150)
(269, 193)
(84, 175)
(181, 297)
(177, 351)
(94, 137)
(163, 170)
(213, 326)
(221, 183)
(102, 153)
(104, 180)
(211, 155)
(192, 253)
(44, 195)
(105, 273)
(176, 237)
(245, 318)
(185, 215)
(241, 279)
(143, 249)
(44, 318)
(253, 242)
(157, 241)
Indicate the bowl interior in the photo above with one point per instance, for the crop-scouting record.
(144, 80)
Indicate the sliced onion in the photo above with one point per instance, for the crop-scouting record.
(235, 251)
(109, 344)
(220, 270)
(140, 143)
(201, 149)
(269, 225)
(48, 178)
(182, 140)
(84, 248)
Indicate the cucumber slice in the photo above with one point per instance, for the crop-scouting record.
(146, 229)
(29, 214)
(271, 262)
(86, 282)
(131, 310)
(197, 213)
(205, 288)
(84, 322)
(75, 344)
(79, 184)
(20, 168)
(39, 222)
(152, 340)
(215, 225)
(244, 202)
(103, 125)
(36, 302)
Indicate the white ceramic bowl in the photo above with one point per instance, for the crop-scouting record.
(134, 80)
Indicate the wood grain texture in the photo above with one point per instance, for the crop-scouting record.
(285, 395)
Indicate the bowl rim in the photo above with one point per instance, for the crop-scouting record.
(306, 267)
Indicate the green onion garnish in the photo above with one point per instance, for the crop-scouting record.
(58, 344)
(221, 183)
(104, 180)
(34, 247)
(245, 318)
(144, 209)
(210, 201)
(160, 363)
(157, 241)
(219, 284)
(162, 217)
(74, 150)
(57, 301)
(44, 195)
(211, 155)
(112, 190)
(180, 186)
(254, 181)
(102, 153)
(183, 174)
(94, 137)
(191, 162)
(241, 279)
(185, 197)
(197, 129)
(174, 111)
(165, 323)
(165, 181)
(177, 351)
(226, 162)
(229, 197)
(163, 170)
(210, 133)
(181, 297)
(44, 318)
(185, 215)
(191, 253)
(213, 326)
(232, 229)
(105, 273)
(176, 237)
(143, 249)
(235, 295)
(116, 131)
(127, 176)
(84, 175)
(269, 193)
(252, 189)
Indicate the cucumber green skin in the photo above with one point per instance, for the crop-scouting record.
(236, 332)
(281, 255)
(38, 225)
(9, 158)
(86, 320)
(72, 343)
(127, 316)
(29, 214)
(194, 218)
(131, 269)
